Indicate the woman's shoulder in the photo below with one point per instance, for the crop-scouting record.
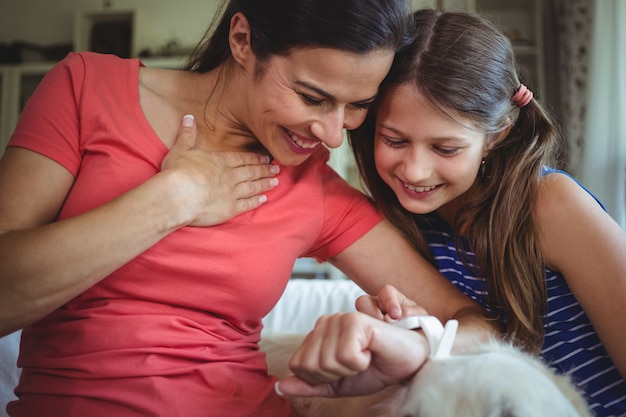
(83, 65)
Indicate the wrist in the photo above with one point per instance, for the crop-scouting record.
(440, 338)
(167, 203)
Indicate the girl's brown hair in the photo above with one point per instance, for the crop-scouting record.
(461, 62)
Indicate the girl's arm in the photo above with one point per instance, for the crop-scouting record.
(44, 264)
(383, 257)
(580, 240)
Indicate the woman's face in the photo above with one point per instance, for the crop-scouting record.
(306, 98)
(426, 157)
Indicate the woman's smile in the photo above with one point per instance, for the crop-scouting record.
(300, 144)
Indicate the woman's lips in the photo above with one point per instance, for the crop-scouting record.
(300, 144)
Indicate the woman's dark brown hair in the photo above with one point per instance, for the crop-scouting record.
(277, 26)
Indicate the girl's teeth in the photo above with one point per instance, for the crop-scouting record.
(420, 189)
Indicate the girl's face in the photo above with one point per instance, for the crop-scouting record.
(427, 158)
(306, 98)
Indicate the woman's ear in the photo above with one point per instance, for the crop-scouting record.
(239, 40)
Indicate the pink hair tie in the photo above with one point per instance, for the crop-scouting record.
(523, 96)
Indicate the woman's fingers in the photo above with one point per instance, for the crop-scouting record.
(185, 140)
(214, 187)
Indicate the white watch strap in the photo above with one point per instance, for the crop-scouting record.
(440, 338)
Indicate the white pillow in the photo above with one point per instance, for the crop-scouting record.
(304, 300)
(9, 372)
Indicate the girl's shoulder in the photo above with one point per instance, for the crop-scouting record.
(555, 181)
(564, 212)
(560, 197)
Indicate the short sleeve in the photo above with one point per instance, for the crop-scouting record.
(50, 121)
(349, 214)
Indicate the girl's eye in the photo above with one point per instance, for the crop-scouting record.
(392, 143)
(311, 100)
(447, 151)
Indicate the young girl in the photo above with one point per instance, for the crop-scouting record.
(460, 157)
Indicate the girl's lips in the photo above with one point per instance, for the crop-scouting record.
(419, 191)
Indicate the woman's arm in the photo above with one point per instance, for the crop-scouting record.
(580, 240)
(383, 257)
(44, 264)
(349, 354)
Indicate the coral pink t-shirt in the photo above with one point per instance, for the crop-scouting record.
(174, 332)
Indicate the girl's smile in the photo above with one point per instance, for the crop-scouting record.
(426, 156)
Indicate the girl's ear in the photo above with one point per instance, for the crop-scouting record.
(494, 139)
(239, 40)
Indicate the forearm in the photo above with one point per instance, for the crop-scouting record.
(43, 267)
(474, 327)
(382, 258)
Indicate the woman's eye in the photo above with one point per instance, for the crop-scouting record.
(362, 106)
(311, 100)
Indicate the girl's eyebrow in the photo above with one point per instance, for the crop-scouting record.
(394, 130)
(329, 96)
(434, 138)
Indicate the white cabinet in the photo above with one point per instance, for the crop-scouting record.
(4, 105)
(18, 82)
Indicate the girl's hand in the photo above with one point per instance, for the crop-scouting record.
(389, 305)
(213, 187)
(350, 354)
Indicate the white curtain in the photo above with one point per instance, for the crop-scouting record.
(604, 155)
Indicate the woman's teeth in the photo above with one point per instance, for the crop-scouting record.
(303, 144)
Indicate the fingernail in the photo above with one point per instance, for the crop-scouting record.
(274, 169)
(278, 391)
(188, 120)
(265, 159)
(262, 198)
(388, 319)
(273, 182)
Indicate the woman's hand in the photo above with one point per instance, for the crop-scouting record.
(389, 304)
(350, 354)
(213, 187)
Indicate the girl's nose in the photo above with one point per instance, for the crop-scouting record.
(417, 166)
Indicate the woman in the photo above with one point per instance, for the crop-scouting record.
(460, 157)
(140, 255)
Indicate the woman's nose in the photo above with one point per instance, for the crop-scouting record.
(329, 128)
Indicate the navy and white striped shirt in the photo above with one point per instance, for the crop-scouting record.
(570, 344)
